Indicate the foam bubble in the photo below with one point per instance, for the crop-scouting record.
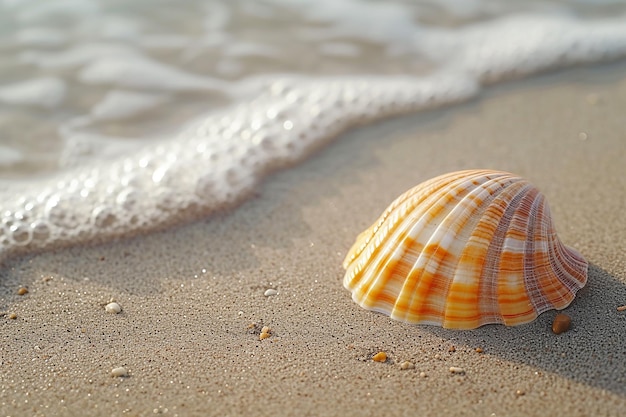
(20, 234)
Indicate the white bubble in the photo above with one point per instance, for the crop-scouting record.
(128, 199)
(206, 187)
(41, 231)
(103, 216)
(159, 173)
(21, 234)
(61, 210)
(168, 200)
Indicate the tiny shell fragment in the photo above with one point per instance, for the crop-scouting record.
(113, 308)
(621, 308)
(270, 292)
(457, 370)
(265, 333)
(22, 291)
(380, 357)
(406, 365)
(119, 372)
(12, 316)
(561, 324)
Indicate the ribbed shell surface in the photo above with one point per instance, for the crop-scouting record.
(463, 250)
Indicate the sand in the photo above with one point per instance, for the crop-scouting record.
(193, 302)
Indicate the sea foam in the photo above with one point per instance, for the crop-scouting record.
(269, 121)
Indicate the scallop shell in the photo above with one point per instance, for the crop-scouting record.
(463, 250)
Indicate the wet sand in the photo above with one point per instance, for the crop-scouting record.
(193, 297)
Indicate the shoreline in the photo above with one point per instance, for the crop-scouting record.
(184, 335)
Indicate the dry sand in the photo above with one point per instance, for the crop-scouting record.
(193, 297)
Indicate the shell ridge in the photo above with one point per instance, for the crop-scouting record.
(490, 308)
(381, 260)
(561, 271)
(573, 279)
(418, 232)
(383, 263)
(575, 258)
(414, 196)
(563, 295)
(550, 282)
(532, 269)
(372, 248)
(513, 298)
(415, 288)
(502, 206)
(470, 208)
(422, 289)
(462, 307)
(572, 262)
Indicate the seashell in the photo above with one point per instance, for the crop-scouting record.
(463, 250)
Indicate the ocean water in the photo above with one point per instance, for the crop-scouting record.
(118, 116)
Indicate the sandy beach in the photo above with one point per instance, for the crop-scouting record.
(193, 302)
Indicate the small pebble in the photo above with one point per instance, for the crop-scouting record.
(380, 357)
(113, 308)
(406, 365)
(561, 324)
(265, 333)
(437, 356)
(22, 291)
(479, 350)
(119, 372)
(582, 136)
(12, 316)
(457, 370)
(423, 375)
(621, 308)
(452, 349)
(519, 393)
(269, 292)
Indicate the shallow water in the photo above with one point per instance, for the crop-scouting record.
(118, 116)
